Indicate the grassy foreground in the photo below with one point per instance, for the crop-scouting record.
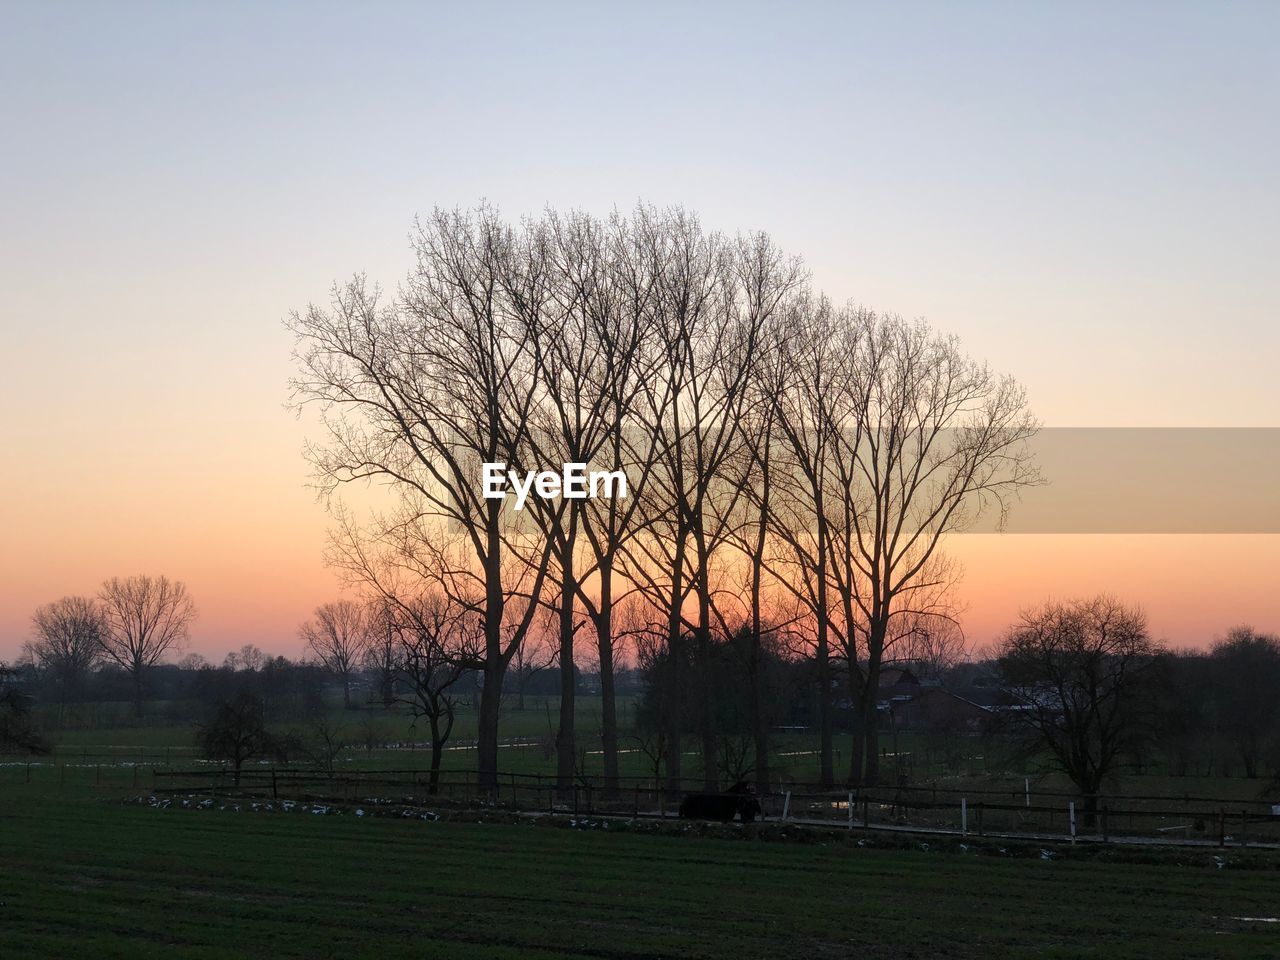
(83, 876)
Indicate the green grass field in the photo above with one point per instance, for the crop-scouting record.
(87, 876)
(83, 873)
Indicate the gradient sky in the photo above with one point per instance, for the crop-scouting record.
(1087, 195)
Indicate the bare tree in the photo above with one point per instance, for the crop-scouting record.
(587, 320)
(1082, 671)
(715, 298)
(380, 653)
(931, 642)
(338, 635)
(144, 618)
(931, 440)
(323, 743)
(68, 640)
(236, 734)
(436, 648)
(532, 657)
(555, 288)
(622, 330)
(420, 391)
(804, 405)
(248, 657)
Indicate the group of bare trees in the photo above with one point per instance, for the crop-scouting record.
(133, 622)
(793, 465)
(415, 645)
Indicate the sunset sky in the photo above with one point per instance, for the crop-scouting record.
(1092, 209)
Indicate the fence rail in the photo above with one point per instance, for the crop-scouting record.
(1050, 815)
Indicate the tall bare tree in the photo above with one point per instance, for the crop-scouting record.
(714, 299)
(558, 289)
(589, 323)
(339, 636)
(420, 391)
(932, 439)
(380, 647)
(144, 619)
(808, 405)
(623, 329)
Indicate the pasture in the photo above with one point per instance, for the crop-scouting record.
(85, 873)
(89, 876)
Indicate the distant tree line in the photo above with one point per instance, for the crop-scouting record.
(1083, 689)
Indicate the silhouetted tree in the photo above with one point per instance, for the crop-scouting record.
(1244, 672)
(435, 648)
(339, 637)
(420, 391)
(18, 730)
(236, 734)
(68, 640)
(1083, 673)
(145, 618)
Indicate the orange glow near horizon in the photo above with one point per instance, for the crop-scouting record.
(256, 575)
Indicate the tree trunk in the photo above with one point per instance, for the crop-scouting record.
(870, 727)
(674, 674)
(702, 653)
(826, 709)
(1089, 818)
(857, 746)
(487, 727)
(826, 696)
(437, 752)
(759, 723)
(137, 691)
(671, 715)
(608, 699)
(565, 739)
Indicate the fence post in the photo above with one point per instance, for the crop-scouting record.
(786, 806)
(850, 809)
(1244, 828)
(866, 813)
(1071, 816)
(1026, 788)
(964, 817)
(275, 790)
